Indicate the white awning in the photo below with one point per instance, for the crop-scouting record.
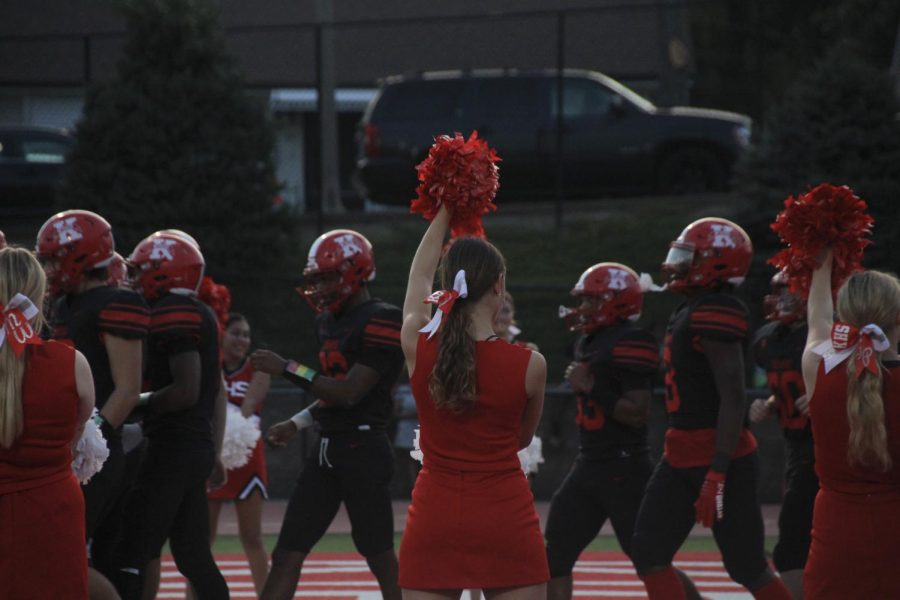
(305, 99)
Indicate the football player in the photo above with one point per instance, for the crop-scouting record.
(169, 497)
(612, 376)
(778, 348)
(710, 467)
(108, 325)
(359, 362)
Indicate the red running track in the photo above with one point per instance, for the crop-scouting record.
(345, 576)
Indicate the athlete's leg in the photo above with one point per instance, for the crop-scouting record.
(575, 518)
(249, 514)
(310, 510)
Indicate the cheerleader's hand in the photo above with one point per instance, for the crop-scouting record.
(218, 477)
(710, 505)
(802, 405)
(280, 434)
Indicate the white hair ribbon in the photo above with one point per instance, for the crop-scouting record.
(646, 283)
(445, 299)
(845, 339)
(15, 323)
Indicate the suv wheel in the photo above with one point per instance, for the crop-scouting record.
(690, 170)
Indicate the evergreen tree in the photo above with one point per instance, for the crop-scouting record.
(174, 141)
(837, 123)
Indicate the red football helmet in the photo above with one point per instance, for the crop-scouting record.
(72, 243)
(707, 254)
(782, 304)
(117, 272)
(610, 293)
(164, 263)
(339, 263)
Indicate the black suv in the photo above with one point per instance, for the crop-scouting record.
(32, 165)
(614, 140)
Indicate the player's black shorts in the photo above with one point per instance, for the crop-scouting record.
(795, 519)
(102, 491)
(592, 492)
(354, 468)
(667, 516)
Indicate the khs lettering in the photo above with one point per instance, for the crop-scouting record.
(237, 389)
(840, 336)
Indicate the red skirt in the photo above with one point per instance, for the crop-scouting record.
(42, 542)
(472, 530)
(244, 480)
(855, 550)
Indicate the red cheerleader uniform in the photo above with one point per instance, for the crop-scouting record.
(472, 522)
(42, 549)
(252, 476)
(855, 549)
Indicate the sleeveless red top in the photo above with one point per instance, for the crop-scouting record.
(485, 437)
(42, 454)
(831, 432)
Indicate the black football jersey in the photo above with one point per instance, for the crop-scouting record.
(83, 320)
(181, 324)
(621, 358)
(368, 334)
(692, 399)
(778, 348)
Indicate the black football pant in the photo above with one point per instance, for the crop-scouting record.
(593, 492)
(795, 518)
(667, 516)
(168, 500)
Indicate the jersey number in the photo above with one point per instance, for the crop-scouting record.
(673, 400)
(334, 363)
(590, 415)
(787, 387)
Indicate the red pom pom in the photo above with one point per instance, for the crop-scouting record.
(826, 215)
(217, 297)
(461, 174)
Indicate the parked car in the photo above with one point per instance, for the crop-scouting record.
(614, 140)
(32, 165)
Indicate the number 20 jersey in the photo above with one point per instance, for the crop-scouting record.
(778, 348)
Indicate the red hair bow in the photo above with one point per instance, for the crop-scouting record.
(15, 325)
(445, 299)
(866, 341)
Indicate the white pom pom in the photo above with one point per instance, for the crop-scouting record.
(90, 452)
(647, 285)
(241, 435)
(531, 456)
(416, 452)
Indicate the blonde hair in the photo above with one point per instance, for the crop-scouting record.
(20, 272)
(868, 297)
(453, 382)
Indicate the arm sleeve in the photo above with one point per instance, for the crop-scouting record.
(175, 325)
(381, 341)
(720, 317)
(126, 315)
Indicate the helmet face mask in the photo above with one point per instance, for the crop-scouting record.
(608, 293)
(709, 253)
(339, 264)
(782, 304)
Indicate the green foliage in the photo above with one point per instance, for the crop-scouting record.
(174, 141)
(839, 124)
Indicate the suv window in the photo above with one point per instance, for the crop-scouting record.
(581, 98)
(508, 98)
(418, 101)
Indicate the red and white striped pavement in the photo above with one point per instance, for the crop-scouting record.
(345, 576)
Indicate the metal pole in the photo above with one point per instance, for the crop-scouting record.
(560, 121)
(330, 185)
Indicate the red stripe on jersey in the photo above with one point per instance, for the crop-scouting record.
(638, 355)
(388, 322)
(382, 332)
(377, 341)
(710, 327)
(736, 320)
(135, 317)
(175, 316)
